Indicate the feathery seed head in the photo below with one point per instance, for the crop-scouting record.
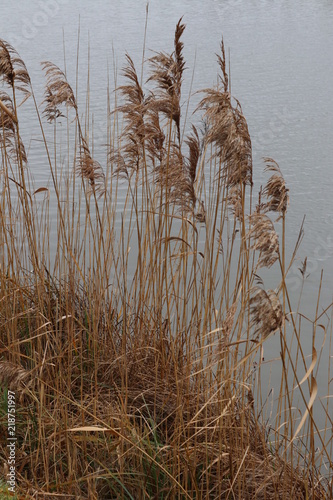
(167, 72)
(58, 92)
(275, 191)
(90, 170)
(266, 312)
(228, 131)
(265, 238)
(13, 70)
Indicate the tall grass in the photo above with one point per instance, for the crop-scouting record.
(134, 338)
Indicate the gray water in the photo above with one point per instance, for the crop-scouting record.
(281, 72)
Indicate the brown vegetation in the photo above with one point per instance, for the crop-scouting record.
(134, 346)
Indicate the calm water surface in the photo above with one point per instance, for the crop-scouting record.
(281, 71)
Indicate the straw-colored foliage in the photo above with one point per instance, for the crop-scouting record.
(136, 334)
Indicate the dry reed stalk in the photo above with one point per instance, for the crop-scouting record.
(226, 333)
(277, 196)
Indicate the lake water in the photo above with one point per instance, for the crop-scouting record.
(281, 72)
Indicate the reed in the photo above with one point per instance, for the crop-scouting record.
(135, 346)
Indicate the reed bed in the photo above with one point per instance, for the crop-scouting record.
(134, 345)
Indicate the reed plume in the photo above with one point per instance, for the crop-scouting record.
(9, 138)
(4, 109)
(90, 169)
(190, 175)
(235, 201)
(177, 174)
(13, 73)
(275, 190)
(169, 173)
(266, 312)
(7, 123)
(228, 131)
(129, 157)
(143, 139)
(7, 114)
(154, 135)
(193, 144)
(167, 71)
(13, 70)
(266, 240)
(58, 92)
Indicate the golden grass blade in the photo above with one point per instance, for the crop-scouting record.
(313, 396)
(41, 190)
(311, 367)
(23, 188)
(93, 428)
